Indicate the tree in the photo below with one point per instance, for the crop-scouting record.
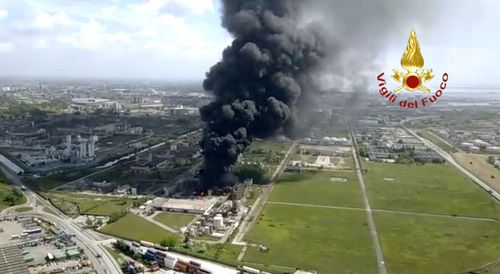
(363, 152)
(10, 200)
(169, 242)
(89, 222)
(251, 171)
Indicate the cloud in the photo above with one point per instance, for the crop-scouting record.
(197, 7)
(150, 39)
(5, 47)
(44, 20)
(3, 13)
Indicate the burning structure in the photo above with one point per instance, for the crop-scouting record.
(261, 84)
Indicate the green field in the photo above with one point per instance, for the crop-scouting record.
(333, 240)
(253, 195)
(75, 204)
(174, 220)
(430, 188)
(23, 209)
(136, 228)
(323, 239)
(55, 180)
(269, 153)
(9, 194)
(446, 147)
(317, 187)
(419, 245)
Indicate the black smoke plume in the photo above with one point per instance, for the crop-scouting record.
(263, 83)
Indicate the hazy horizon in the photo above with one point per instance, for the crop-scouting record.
(178, 41)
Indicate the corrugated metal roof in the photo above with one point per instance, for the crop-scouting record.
(11, 261)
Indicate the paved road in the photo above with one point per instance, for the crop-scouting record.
(448, 157)
(248, 220)
(105, 265)
(110, 165)
(371, 223)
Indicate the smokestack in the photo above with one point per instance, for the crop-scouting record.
(262, 83)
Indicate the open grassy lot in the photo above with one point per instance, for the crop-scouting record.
(268, 152)
(224, 253)
(420, 245)
(55, 180)
(136, 228)
(318, 188)
(437, 141)
(259, 147)
(23, 209)
(430, 188)
(74, 204)
(479, 167)
(253, 195)
(323, 239)
(9, 194)
(174, 220)
(339, 162)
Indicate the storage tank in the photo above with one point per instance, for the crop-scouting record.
(218, 222)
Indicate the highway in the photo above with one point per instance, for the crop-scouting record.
(110, 165)
(449, 158)
(102, 261)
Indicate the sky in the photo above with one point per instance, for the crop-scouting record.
(180, 39)
(158, 39)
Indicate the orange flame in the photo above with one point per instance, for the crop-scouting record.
(412, 59)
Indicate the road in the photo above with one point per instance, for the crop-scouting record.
(105, 264)
(110, 165)
(247, 221)
(371, 223)
(449, 158)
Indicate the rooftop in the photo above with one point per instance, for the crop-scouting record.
(184, 204)
(11, 261)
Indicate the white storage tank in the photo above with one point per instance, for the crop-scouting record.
(218, 222)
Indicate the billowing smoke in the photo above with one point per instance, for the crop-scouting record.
(262, 82)
(283, 50)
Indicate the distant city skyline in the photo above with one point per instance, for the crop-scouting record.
(178, 40)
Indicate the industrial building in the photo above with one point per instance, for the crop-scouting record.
(195, 206)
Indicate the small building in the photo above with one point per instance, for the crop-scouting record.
(122, 190)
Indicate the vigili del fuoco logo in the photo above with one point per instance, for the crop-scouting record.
(412, 79)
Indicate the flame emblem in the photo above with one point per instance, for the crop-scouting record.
(412, 61)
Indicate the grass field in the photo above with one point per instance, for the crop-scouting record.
(50, 182)
(6, 189)
(479, 167)
(437, 141)
(48, 210)
(174, 220)
(75, 204)
(253, 195)
(317, 187)
(430, 188)
(323, 239)
(269, 153)
(23, 209)
(224, 253)
(136, 228)
(419, 245)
